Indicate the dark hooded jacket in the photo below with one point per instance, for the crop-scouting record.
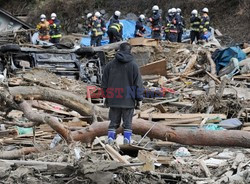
(121, 81)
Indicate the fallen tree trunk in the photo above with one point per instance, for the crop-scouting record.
(67, 99)
(41, 118)
(223, 138)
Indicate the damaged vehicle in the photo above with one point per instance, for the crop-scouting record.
(81, 64)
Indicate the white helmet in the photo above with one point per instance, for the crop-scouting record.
(142, 17)
(205, 10)
(97, 14)
(155, 8)
(169, 11)
(178, 10)
(174, 10)
(43, 16)
(194, 12)
(117, 13)
(89, 15)
(53, 16)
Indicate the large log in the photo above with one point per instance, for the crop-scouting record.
(230, 138)
(140, 127)
(68, 99)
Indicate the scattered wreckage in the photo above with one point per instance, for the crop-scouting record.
(51, 126)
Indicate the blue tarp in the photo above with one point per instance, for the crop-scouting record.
(128, 32)
(223, 57)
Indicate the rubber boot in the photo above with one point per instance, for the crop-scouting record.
(127, 136)
(111, 137)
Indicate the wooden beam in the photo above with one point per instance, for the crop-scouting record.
(182, 121)
(155, 68)
(140, 41)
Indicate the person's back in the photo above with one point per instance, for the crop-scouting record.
(115, 32)
(122, 74)
(122, 86)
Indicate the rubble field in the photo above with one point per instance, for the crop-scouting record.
(193, 126)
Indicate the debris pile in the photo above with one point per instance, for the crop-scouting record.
(53, 131)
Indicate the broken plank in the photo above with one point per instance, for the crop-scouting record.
(205, 168)
(155, 68)
(181, 116)
(140, 41)
(182, 121)
(218, 33)
(213, 77)
(113, 153)
(165, 143)
(181, 104)
(165, 101)
(161, 108)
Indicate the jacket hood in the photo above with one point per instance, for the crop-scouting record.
(124, 57)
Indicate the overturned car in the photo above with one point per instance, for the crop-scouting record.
(83, 63)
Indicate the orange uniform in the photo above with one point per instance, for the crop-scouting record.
(43, 28)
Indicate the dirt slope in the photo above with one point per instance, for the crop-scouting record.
(230, 16)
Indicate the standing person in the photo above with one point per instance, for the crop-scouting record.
(205, 24)
(195, 22)
(115, 18)
(43, 28)
(103, 24)
(173, 33)
(88, 22)
(122, 77)
(115, 32)
(180, 24)
(139, 26)
(96, 30)
(168, 22)
(156, 23)
(55, 29)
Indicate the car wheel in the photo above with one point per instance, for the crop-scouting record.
(10, 48)
(84, 51)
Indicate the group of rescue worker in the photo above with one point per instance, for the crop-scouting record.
(173, 28)
(49, 30)
(175, 25)
(97, 27)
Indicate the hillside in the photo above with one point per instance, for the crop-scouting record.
(231, 17)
